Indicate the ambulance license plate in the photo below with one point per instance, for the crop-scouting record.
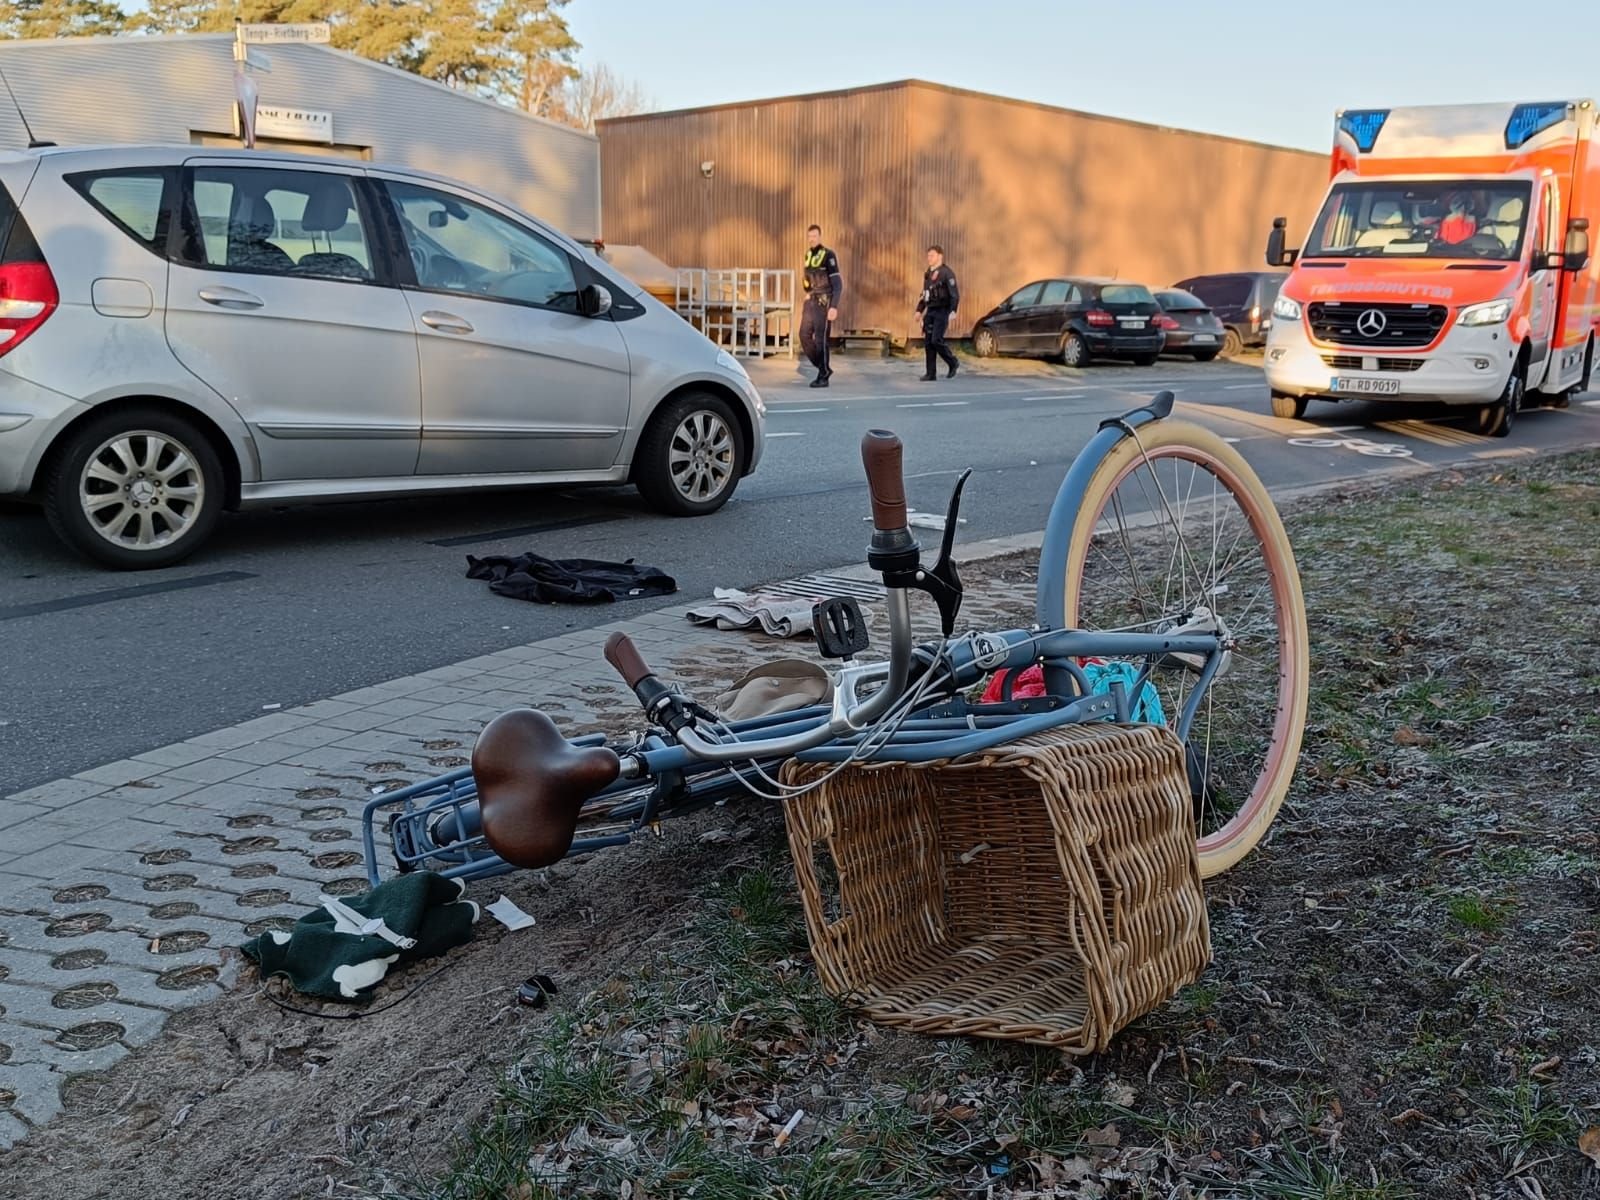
(1371, 387)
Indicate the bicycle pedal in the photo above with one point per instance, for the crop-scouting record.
(839, 626)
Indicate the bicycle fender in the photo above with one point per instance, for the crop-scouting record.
(1050, 594)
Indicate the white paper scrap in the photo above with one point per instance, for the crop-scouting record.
(509, 915)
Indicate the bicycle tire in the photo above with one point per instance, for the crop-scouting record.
(1147, 455)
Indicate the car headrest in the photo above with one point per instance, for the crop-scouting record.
(1508, 212)
(1386, 212)
(253, 219)
(327, 208)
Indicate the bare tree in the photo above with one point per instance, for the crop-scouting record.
(598, 93)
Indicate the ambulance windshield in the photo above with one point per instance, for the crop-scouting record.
(1455, 218)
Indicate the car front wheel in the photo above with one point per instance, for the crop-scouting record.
(135, 489)
(691, 456)
(983, 343)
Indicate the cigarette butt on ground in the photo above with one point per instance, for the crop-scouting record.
(789, 1127)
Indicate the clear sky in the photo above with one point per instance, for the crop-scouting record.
(1267, 71)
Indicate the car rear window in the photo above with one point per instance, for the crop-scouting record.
(1179, 301)
(1270, 285)
(134, 200)
(1126, 293)
(8, 212)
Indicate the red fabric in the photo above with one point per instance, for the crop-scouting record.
(1457, 227)
(1029, 685)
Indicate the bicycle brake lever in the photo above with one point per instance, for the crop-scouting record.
(941, 581)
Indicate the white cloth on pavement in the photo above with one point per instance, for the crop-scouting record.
(781, 616)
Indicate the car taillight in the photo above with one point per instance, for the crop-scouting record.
(1099, 317)
(1166, 322)
(27, 298)
(1255, 313)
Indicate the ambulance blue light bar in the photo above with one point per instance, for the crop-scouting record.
(1362, 125)
(1529, 120)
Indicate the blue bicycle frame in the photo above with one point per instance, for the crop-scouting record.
(434, 825)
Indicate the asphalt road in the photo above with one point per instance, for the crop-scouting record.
(290, 605)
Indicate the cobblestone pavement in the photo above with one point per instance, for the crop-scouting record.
(124, 889)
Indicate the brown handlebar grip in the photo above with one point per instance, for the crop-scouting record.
(880, 454)
(624, 656)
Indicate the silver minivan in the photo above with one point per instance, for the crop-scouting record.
(185, 331)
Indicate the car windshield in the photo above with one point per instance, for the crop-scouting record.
(1471, 218)
(1179, 301)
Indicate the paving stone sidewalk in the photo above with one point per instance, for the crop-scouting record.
(125, 888)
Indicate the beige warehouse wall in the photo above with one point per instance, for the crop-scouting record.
(1014, 191)
(840, 160)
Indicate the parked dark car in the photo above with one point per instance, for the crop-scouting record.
(1190, 326)
(1243, 300)
(1074, 320)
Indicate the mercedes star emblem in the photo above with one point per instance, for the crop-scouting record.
(1371, 323)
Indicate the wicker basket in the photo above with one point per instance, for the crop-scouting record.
(1044, 891)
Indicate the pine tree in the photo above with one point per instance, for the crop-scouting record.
(60, 18)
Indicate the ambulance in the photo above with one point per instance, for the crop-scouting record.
(1449, 263)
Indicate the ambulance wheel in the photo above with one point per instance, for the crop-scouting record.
(1495, 420)
(1288, 408)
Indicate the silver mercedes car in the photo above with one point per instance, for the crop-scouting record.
(184, 331)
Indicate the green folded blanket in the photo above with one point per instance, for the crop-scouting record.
(342, 950)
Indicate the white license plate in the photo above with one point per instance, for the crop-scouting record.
(1131, 322)
(1375, 387)
(1204, 337)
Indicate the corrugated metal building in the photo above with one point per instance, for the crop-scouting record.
(1012, 190)
(180, 89)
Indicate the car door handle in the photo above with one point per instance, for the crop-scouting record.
(227, 297)
(445, 322)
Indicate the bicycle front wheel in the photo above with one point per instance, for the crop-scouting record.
(1176, 529)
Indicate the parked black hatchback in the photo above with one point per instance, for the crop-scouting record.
(1243, 301)
(1075, 321)
(1191, 327)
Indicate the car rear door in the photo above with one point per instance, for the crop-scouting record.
(1010, 324)
(1048, 317)
(280, 299)
(514, 380)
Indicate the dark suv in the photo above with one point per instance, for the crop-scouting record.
(1243, 300)
(1074, 320)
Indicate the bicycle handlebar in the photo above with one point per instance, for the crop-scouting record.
(880, 455)
(626, 660)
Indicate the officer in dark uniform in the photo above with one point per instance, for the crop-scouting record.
(822, 287)
(940, 299)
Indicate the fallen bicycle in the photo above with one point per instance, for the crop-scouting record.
(1027, 868)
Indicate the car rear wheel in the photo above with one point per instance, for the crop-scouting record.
(1074, 350)
(1206, 356)
(984, 344)
(1232, 343)
(1289, 408)
(1144, 360)
(135, 489)
(691, 456)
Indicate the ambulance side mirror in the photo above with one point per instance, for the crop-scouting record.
(1576, 255)
(1277, 256)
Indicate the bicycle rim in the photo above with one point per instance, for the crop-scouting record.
(1171, 522)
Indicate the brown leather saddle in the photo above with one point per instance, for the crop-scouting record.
(532, 783)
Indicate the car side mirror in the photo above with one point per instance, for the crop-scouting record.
(1277, 255)
(594, 301)
(1576, 251)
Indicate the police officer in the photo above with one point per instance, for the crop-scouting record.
(940, 299)
(822, 288)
